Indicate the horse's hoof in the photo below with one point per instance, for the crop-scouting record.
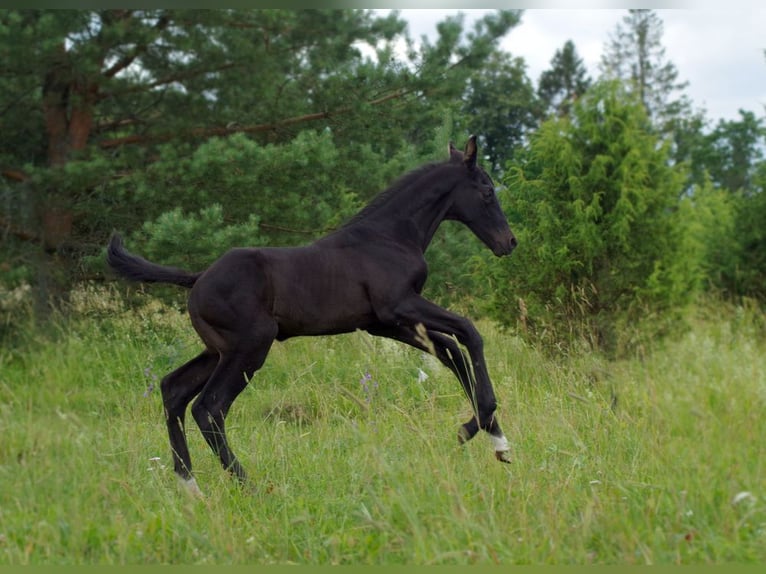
(190, 487)
(463, 436)
(503, 456)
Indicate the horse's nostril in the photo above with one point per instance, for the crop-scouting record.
(514, 243)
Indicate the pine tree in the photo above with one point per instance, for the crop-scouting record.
(502, 107)
(565, 81)
(635, 54)
(152, 120)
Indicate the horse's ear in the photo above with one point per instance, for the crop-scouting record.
(469, 156)
(455, 155)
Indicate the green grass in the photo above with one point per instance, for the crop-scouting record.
(348, 475)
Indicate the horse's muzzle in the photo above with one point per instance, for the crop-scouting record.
(505, 245)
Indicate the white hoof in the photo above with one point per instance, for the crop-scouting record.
(502, 448)
(189, 485)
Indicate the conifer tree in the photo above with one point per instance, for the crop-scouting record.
(594, 203)
(635, 54)
(565, 81)
(274, 123)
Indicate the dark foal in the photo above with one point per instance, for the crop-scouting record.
(366, 275)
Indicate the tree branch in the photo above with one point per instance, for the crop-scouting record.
(225, 131)
(188, 74)
(128, 59)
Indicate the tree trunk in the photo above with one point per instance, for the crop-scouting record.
(68, 104)
(68, 101)
(56, 91)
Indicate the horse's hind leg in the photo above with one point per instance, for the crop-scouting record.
(178, 389)
(230, 377)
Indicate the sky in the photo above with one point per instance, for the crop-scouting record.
(719, 52)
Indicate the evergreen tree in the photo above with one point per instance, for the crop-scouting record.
(594, 203)
(502, 107)
(565, 81)
(732, 152)
(635, 54)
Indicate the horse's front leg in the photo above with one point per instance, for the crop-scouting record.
(475, 380)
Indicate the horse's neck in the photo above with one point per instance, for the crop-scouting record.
(416, 210)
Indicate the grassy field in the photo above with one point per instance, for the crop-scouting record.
(658, 460)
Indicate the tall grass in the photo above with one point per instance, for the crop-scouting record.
(649, 461)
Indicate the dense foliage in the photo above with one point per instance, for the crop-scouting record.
(191, 131)
(286, 120)
(601, 223)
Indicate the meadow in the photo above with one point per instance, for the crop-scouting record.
(657, 458)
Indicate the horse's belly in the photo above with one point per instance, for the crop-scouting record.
(322, 311)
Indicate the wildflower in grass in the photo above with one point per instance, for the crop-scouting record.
(369, 386)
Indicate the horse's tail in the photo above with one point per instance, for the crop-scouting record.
(137, 268)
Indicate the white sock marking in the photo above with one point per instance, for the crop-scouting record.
(191, 487)
(500, 443)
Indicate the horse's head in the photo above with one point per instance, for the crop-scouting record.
(474, 202)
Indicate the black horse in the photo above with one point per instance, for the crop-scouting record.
(366, 275)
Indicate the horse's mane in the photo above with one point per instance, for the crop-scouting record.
(403, 183)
